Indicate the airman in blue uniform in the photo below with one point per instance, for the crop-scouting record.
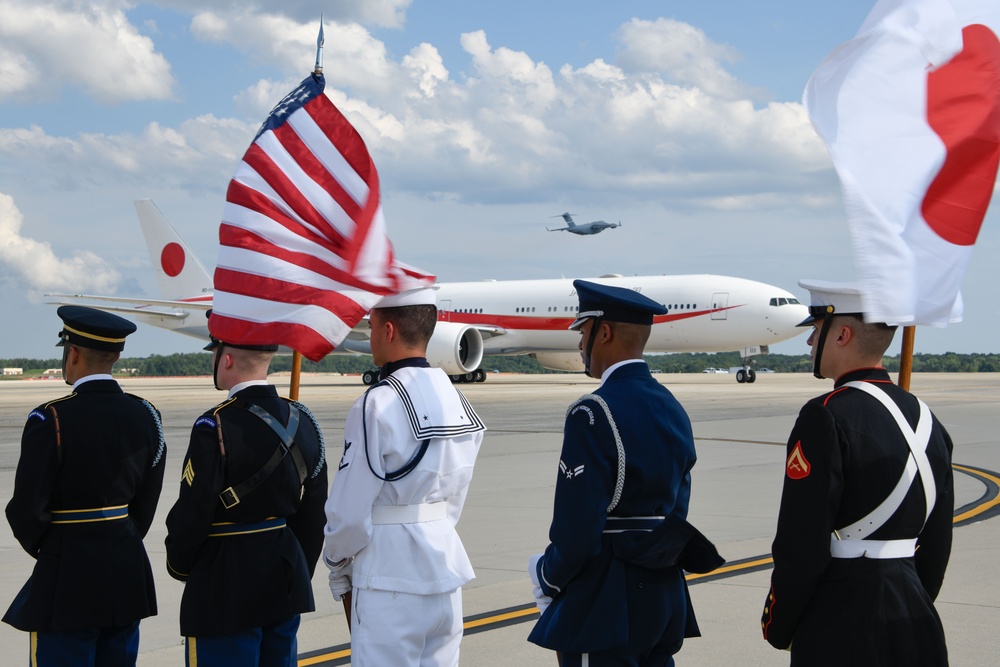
(611, 584)
(85, 491)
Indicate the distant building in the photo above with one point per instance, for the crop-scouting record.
(52, 372)
(13, 371)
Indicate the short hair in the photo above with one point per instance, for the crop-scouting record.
(94, 357)
(415, 324)
(249, 361)
(632, 336)
(874, 338)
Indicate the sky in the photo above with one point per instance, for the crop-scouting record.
(681, 120)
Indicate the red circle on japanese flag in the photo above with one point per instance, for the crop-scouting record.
(963, 108)
(172, 259)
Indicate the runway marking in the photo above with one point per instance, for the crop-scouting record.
(987, 506)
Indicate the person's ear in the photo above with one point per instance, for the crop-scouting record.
(844, 334)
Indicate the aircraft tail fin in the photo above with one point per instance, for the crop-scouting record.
(178, 271)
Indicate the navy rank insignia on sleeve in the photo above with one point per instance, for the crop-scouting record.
(188, 475)
(570, 473)
(343, 459)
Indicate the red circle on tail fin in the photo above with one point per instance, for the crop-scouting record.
(172, 259)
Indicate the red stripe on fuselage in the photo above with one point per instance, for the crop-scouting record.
(530, 323)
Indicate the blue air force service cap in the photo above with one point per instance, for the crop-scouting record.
(96, 329)
(830, 298)
(615, 304)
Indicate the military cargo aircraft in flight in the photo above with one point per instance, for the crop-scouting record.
(595, 227)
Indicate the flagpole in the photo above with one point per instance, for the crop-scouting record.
(906, 357)
(293, 386)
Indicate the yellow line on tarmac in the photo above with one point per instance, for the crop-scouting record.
(731, 568)
(326, 657)
(500, 618)
(978, 509)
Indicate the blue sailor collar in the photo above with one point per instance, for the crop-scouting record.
(434, 407)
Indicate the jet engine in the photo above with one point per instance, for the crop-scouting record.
(559, 361)
(456, 348)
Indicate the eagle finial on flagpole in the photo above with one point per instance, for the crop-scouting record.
(319, 48)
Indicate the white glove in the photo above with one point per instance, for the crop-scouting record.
(533, 568)
(340, 585)
(542, 601)
(340, 576)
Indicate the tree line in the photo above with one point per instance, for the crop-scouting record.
(200, 363)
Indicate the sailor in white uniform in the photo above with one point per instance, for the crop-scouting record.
(410, 444)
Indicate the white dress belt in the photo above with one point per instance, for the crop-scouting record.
(422, 513)
(872, 548)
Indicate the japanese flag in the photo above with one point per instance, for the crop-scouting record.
(910, 111)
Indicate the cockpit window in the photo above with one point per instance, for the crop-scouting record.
(783, 301)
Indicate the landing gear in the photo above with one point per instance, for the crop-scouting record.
(746, 375)
(478, 375)
(369, 377)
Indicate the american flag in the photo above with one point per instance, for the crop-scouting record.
(304, 253)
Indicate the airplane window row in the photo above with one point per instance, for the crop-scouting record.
(782, 301)
(565, 309)
(468, 310)
(524, 310)
(682, 306)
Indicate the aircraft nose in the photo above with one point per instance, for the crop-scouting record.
(790, 316)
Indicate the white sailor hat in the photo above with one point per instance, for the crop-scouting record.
(422, 296)
(830, 298)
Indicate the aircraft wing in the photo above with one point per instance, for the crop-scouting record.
(133, 306)
(560, 229)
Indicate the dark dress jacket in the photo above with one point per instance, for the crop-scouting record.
(239, 572)
(858, 611)
(600, 601)
(93, 449)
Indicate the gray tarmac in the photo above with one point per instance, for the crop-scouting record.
(740, 433)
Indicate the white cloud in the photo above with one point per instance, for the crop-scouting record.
(34, 265)
(48, 45)
(682, 53)
(384, 13)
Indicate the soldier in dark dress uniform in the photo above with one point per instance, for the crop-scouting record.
(247, 528)
(864, 528)
(619, 536)
(85, 492)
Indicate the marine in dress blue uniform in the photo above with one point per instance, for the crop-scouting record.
(85, 491)
(247, 528)
(619, 535)
(865, 523)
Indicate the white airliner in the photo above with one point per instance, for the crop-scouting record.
(706, 313)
